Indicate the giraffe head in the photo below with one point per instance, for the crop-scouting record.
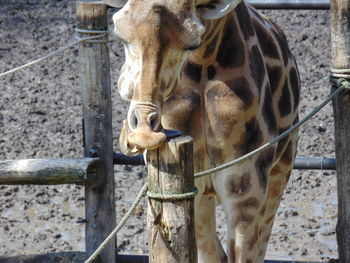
(157, 36)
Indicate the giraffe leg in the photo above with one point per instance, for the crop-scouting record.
(278, 179)
(208, 244)
(277, 184)
(242, 199)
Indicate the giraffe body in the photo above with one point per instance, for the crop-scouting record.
(219, 71)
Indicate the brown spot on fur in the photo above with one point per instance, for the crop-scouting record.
(263, 164)
(211, 72)
(262, 210)
(240, 87)
(232, 248)
(287, 156)
(275, 75)
(267, 43)
(231, 50)
(255, 237)
(294, 85)
(270, 219)
(251, 202)
(275, 189)
(257, 67)
(193, 71)
(261, 253)
(209, 191)
(216, 155)
(239, 185)
(244, 21)
(243, 218)
(268, 112)
(282, 43)
(183, 108)
(252, 137)
(285, 103)
(249, 261)
(276, 171)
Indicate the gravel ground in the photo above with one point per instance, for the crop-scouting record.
(40, 117)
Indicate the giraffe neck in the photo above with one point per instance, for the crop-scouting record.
(235, 29)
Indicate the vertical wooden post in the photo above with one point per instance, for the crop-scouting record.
(171, 235)
(340, 24)
(96, 92)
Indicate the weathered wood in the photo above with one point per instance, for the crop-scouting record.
(97, 113)
(171, 223)
(50, 171)
(340, 35)
(73, 256)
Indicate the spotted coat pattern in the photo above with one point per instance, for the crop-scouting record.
(234, 90)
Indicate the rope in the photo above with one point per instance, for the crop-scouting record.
(162, 196)
(120, 225)
(340, 73)
(83, 39)
(341, 88)
(103, 35)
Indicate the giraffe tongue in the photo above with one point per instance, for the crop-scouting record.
(146, 139)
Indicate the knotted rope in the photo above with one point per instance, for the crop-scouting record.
(340, 73)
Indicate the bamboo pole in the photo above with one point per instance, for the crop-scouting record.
(340, 33)
(170, 223)
(97, 113)
(50, 171)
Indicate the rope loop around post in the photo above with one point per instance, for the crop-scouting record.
(340, 73)
(101, 36)
(172, 197)
(341, 82)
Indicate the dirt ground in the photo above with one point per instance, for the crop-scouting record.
(40, 117)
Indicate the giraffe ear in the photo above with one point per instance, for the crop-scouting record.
(215, 9)
(115, 3)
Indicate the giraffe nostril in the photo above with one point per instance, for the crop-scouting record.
(153, 121)
(134, 121)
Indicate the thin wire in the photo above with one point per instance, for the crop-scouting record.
(51, 54)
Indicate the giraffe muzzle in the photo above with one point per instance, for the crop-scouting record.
(142, 130)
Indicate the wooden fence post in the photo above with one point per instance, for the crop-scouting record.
(340, 23)
(97, 113)
(170, 223)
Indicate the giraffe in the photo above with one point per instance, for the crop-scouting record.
(223, 73)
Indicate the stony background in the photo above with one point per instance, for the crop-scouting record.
(40, 117)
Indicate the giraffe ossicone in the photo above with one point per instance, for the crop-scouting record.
(221, 72)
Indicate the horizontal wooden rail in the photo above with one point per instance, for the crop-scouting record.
(50, 171)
